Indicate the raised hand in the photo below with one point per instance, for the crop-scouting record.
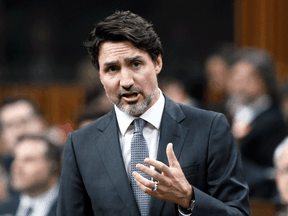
(172, 184)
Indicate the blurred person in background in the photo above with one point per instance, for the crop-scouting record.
(97, 101)
(176, 90)
(281, 168)
(217, 67)
(4, 185)
(58, 134)
(258, 124)
(95, 97)
(35, 174)
(18, 116)
(284, 101)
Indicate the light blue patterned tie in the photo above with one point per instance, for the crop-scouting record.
(29, 211)
(139, 151)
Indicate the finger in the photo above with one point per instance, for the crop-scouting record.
(143, 183)
(152, 173)
(144, 188)
(173, 162)
(158, 165)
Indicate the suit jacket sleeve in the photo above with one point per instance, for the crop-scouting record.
(227, 191)
(73, 199)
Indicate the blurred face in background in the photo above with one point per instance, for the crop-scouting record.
(217, 71)
(246, 83)
(282, 175)
(4, 193)
(31, 170)
(17, 119)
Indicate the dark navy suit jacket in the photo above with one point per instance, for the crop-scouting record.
(94, 180)
(268, 129)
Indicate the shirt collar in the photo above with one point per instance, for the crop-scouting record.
(153, 115)
(261, 103)
(50, 195)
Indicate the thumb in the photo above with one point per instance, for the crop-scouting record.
(173, 162)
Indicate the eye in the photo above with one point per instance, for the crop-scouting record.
(136, 64)
(111, 69)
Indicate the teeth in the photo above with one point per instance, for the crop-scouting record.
(130, 95)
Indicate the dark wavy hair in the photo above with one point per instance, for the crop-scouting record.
(265, 66)
(124, 26)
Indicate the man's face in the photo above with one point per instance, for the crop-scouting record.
(246, 83)
(282, 175)
(129, 76)
(18, 119)
(31, 170)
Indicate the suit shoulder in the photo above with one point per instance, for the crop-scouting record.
(10, 206)
(202, 118)
(197, 112)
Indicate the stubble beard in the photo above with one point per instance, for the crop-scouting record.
(134, 109)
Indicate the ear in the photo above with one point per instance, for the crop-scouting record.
(158, 64)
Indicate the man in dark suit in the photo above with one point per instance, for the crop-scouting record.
(258, 124)
(35, 174)
(280, 158)
(198, 172)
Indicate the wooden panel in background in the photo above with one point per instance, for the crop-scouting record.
(64, 103)
(263, 208)
(60, 104)
(264, 24)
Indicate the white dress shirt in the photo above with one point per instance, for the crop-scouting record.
(245, 114)
(151, 130)
(41, 205)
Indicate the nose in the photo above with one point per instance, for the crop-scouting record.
(127, 79)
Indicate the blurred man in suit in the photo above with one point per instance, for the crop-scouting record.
(258, 124)
(281, 168)
(35, 173)
(193, 164)
(18, 116)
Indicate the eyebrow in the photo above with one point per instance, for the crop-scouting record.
(111, 63)
(132, 58)
(126, 60)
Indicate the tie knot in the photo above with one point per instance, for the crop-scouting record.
(139, 125)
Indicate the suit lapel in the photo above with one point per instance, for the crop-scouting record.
(109, 146)
(171, 132)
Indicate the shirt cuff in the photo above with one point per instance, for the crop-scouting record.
(181, 213)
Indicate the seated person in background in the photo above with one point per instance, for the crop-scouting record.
(284, 101)
(258, 124)
(4, 189)
(18, 116)
(281, 167)
(35, 174)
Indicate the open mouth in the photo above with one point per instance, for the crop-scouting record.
(130, 95)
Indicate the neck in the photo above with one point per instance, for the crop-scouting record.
(41, 189)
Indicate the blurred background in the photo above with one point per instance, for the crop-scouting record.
(41, 43)
(43, 60)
